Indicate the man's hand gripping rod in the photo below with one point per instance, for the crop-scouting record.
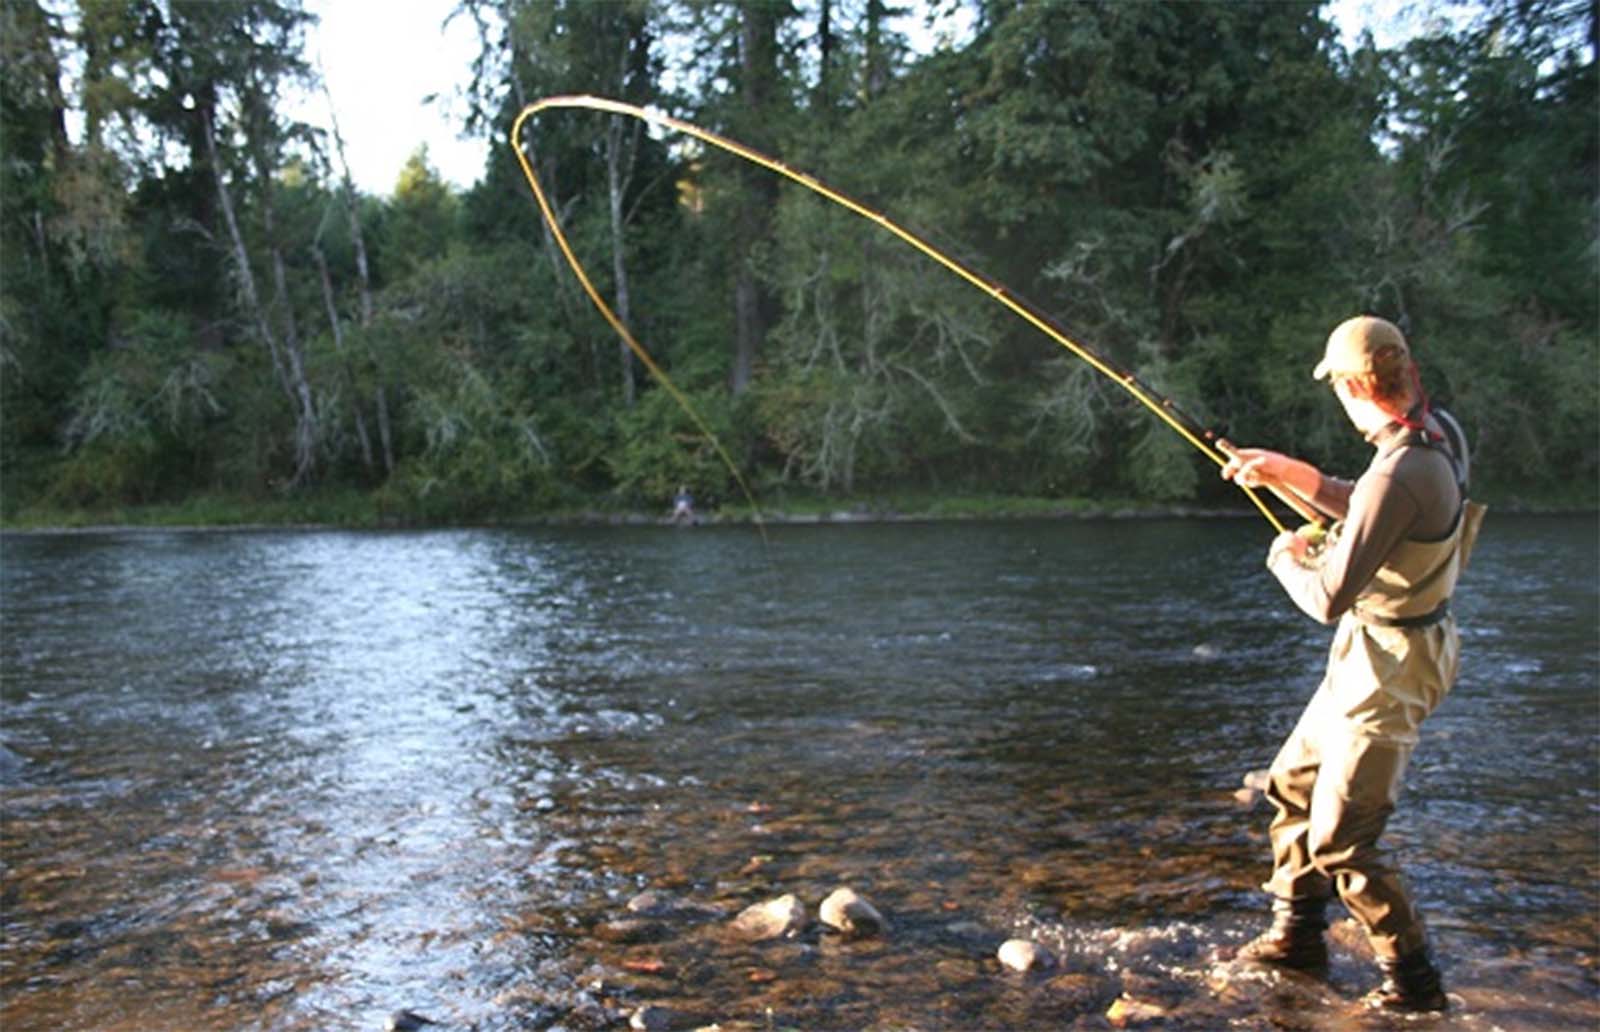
(1305, 509)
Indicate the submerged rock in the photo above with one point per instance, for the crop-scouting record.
(629, 930)
(653, 1018)
(666, 908)
(775, 919)
(647, 966)
(1022, 955)
(652, 902)
(1079, 988)
(955, 974)
(847, 912)
(1126, 1010)
(971, 932)
(406, 1021)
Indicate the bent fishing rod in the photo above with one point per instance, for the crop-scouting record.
(1207, 442)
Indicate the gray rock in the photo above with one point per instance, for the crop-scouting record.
(847, 912)
(783, 917)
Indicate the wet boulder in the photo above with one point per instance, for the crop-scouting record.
(779, 918)
(851, 914)
(1022, 955)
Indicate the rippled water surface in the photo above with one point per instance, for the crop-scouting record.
(304, 780)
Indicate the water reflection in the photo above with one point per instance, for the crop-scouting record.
(301, 780)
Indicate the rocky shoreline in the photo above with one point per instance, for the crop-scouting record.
(651, 958)
(654, 937)
(650, 968)
(673, 958)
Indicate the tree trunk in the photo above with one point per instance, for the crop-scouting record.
(337, 329)
(758, 57)
(32, 27)
(246, 280)
(364, 281)
(301, 396)
(825, 47)
(305, 424)
(748, 328)
(624, 138)
(615, 185)
(1594, 32)
(877, 61)
(288, 367)
(566, 290)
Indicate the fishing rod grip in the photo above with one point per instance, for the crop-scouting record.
(1287, 497)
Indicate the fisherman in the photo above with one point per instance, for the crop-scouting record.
(683, 505)
(1385, 575)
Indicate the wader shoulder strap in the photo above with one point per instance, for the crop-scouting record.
(1457, 452)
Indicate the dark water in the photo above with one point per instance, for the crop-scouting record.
(303, 780)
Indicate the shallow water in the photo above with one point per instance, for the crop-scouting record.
(304, 780)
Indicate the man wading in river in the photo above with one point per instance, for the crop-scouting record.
(1386, 578)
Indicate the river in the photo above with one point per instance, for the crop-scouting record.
(306, 779)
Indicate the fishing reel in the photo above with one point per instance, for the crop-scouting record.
(1319, 540)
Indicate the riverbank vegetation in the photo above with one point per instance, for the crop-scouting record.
(203, 320)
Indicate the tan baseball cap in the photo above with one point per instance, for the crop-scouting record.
(1352, 344)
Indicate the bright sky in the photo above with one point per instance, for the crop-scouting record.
(382, 57)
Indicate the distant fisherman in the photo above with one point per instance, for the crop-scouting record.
(683, 505)
(1386, 577)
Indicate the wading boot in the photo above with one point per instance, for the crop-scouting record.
(1295, 938)
(1410, 983)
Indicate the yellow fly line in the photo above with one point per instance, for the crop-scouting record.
(1217, 452)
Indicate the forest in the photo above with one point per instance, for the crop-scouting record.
(201, 314)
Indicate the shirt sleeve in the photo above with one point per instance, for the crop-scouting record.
(1333, 496)
(1380, 514)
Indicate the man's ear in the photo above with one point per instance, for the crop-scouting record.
(1360, 387)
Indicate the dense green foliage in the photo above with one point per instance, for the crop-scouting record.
(197, 304)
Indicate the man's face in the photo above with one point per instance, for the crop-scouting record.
(1358, 406)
